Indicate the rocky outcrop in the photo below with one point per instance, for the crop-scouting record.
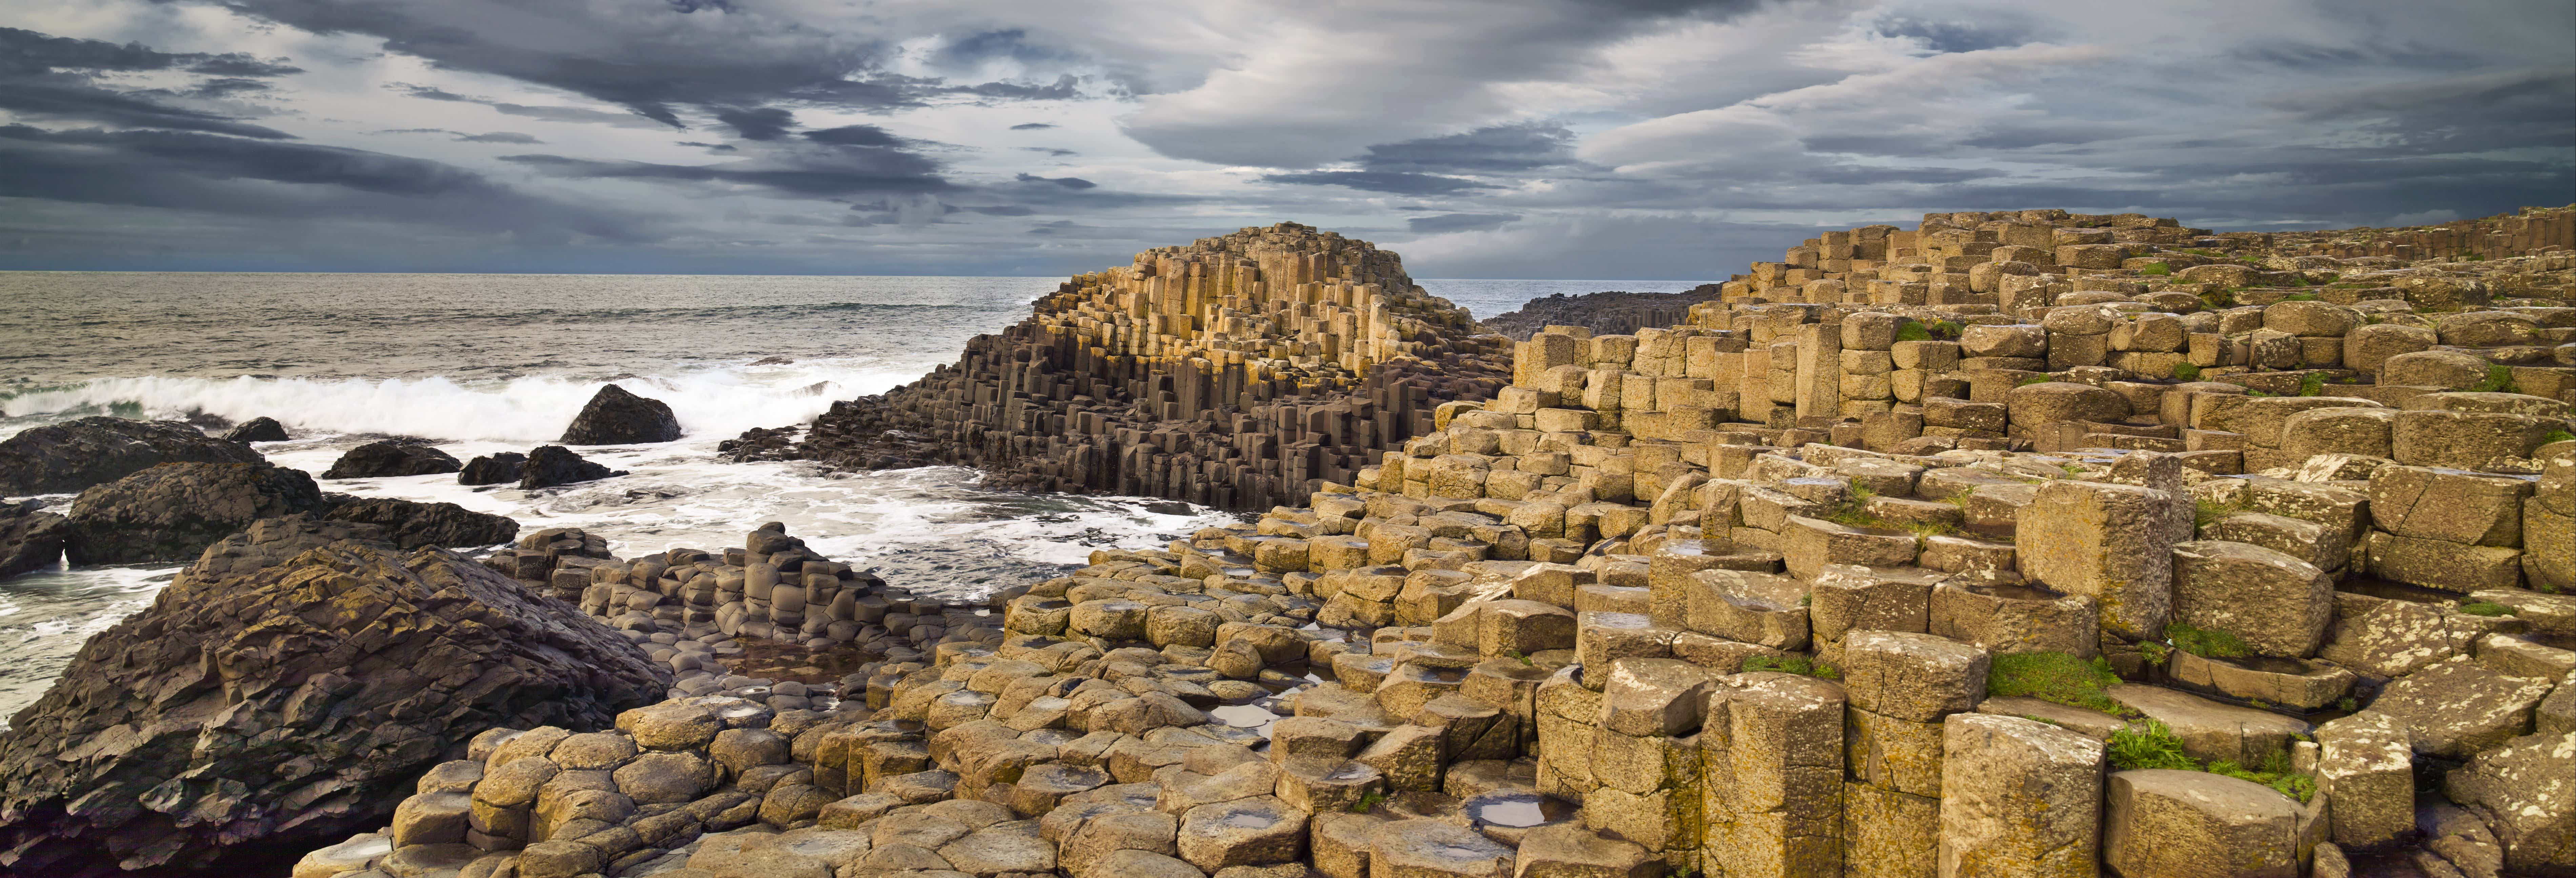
(174, 511)
(492, 469)
(73, 455)
(291, 706)
(410, 525)
(260, 429)
(1607, 313)
(392, 457)
(1238, 372)
(616, 417)
(30, 538)
(551, 465)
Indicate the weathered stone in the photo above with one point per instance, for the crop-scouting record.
(2107, 542)
(1242, 833)
(2018, 798)
(392, 458)
(1433, 849)
(1773, 754)
(2210, 730)
(2459, 707)
(397, 614)
(2280, 605)
(2526, 793)
(1912, 677)
(616, 417)
(75, 455)
(2366, 772)
(173, 512)
(2164, 823)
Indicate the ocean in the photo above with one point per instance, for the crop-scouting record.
(481, 363)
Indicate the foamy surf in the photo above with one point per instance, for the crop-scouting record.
(717, 401)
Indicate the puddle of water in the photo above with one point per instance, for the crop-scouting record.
(1245, 716)
(1518, 810)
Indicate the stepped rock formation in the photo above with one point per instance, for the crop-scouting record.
(1605, 313)
(1917, 554)
(1238, 372)
(246, 711)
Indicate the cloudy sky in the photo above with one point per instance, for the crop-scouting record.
(1629, 139)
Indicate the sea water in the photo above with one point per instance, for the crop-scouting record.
(480, 363)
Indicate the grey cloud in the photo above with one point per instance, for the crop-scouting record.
(764, 123)
(1380, 181)
(1485, 150)
(1049, 150)
(258, 178)
(856, 135)
(702, 53)
(1459, 222)
(499, 137)
(842, 173)
(54, 78)
(1032, 126)
(1066, 182)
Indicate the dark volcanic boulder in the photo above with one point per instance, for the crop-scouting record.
(616, 417)
(29, 539)
(492, 470)
(257, 430)
(174, 511)
(287, 708)
(73, 455)
(409, 525)
(392, 457)
(552, 465)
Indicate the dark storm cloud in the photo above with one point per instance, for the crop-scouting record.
(842, 172)
(1957, 36)
(1049, 150)
(1482, 151)
(1380, 181)
(499, 137)
(856, 135)
(235, 176)
(1063, 88)
(1032, 126)
(1848, 175)
(574, 115)
(765, 123)
(649, 59)
(1066, 182)
(55, 78)
(1459, 222)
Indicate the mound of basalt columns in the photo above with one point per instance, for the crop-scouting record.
(1700, 599)
(772, 589)
(1236, 372)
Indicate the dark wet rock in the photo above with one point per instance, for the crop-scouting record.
(30, 539)
(74, 455)
(1607, 313)
(616, 417)
(290, 707)
(261, 429)
(392, 457)
(269, 542)
(551, 465)
(492, 469)
(174, 511)
(410, 525)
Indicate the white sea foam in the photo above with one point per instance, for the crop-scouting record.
(713, 402)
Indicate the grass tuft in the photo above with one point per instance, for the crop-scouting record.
(2557, 436)
(2054, 677)
(2487, 608)
(1796, 664)
(2499, 380)
(2157, 269)
(2186, 372)
(1912, 330)
(2206, 642)
(2312, 385)
(2149, 745)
